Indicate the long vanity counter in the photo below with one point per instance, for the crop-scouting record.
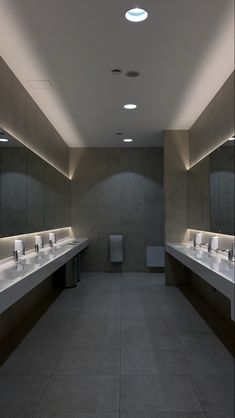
(19, 278)
(215, 269)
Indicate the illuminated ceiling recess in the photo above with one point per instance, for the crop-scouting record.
(181, 68)
(130, 106)
(136, 15)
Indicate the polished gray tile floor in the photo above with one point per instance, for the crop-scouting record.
(119, 346)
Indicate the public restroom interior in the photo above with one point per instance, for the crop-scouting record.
(117, 251)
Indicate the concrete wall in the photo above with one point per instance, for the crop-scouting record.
(21, 117)
(215, 124)
(117, 191)
(176, 154)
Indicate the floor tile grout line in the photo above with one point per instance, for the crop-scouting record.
(121, 308)
(195, 390)
(50, 378)
(43, 392)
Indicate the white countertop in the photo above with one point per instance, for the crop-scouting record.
(216, 269)
(18, 278)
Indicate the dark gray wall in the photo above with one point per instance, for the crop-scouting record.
(215, 124)
(21, 117)
(117, 191)
(176, 155)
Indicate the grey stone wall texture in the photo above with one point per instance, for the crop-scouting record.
(117, 191)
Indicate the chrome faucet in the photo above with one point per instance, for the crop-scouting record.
(15, 255)
(231, 253)
(51, 243)
(36, 248)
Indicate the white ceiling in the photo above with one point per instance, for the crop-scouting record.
(184, 52)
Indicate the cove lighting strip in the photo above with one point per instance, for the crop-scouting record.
(35, 152)
(32, 234)
(209, 152)
(211, 233)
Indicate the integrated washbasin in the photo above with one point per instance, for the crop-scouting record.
(215, 268)
(21, 275)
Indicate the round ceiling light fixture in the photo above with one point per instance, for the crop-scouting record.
(130, 106)
(136, 15)
(127, 140)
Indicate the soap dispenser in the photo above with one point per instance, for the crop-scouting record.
(19, 249)
(38, 242)
(213, 244)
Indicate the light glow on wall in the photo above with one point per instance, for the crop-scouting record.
(32, 234)
(211, 233)
(14, 135)
(209, 152)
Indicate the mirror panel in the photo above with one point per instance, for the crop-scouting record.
(13, 190)
(227, 188)
(211, 186)
(214, 195)
(34, 196)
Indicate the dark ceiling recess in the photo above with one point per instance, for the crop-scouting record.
(116, 71)
(119, 133)
(132, 74)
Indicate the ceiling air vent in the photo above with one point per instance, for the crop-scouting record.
(116, 71)
(132, 74)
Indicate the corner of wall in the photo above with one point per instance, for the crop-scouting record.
(176, 161)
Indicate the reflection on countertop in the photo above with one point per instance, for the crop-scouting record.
(21, 276)
(218, 262)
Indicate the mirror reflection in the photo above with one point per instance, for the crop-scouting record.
(34, 196)
(211, 184)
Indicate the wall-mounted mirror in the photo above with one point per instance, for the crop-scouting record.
(34, 196)
(211, 188)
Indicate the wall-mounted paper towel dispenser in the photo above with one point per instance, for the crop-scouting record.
(116, 248)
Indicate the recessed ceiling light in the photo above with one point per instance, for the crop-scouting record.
(232, 138)
(136, 15)
(3, 140)
(130, 106)
(127, 140)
